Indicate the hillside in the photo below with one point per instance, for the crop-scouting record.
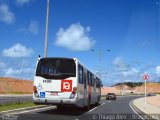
(105, 90)
(11, 86)
(15, 86)
(130, 84)
(138, 88)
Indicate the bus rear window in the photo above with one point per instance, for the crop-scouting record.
(56, 68)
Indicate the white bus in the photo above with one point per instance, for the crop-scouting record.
(65, 81)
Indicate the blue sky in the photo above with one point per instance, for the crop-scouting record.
(129, 28)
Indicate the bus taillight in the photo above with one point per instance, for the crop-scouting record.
(35, 91)
(75, 89)
(73, 94)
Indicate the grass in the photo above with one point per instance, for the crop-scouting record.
(11, 106)
(20, 93)
(16, 93)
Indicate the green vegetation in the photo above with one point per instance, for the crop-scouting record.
(131, 84)
(20, 93)
(11, 106)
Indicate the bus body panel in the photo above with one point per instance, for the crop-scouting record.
(59, 91)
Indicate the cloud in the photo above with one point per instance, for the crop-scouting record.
(124, 72)
(158, 69)
(33, 27)
(75, 38)
(2, 65)
(17, 68)
(14, 72)
(22, 2)
(6, 15)
(131, 72)
(17, 51)
(120, 64)
(118, 61)
(22, 73)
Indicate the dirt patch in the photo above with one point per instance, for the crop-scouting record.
(15, 86)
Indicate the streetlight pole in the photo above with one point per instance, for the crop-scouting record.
(46, 33)
(100, 54)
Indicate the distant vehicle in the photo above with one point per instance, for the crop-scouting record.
(65, 81)
(111, 96)
(150, 94)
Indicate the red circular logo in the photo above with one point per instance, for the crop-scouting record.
(145, 77)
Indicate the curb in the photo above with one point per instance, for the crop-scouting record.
(139, 110)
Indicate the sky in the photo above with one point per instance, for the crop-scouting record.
(129, 29)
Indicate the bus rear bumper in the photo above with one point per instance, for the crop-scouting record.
(55, 101)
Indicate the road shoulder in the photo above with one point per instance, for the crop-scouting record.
(150, 107)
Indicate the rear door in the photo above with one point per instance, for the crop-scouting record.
(85, 88)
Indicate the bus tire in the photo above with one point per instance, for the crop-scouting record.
(60, 107)
(97, 103)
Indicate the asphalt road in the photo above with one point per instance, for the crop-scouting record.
(11, 99)
(107, 110)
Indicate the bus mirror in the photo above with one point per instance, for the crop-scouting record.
(39, 57)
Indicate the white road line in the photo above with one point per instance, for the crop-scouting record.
(20, 109)
(35, 109)
(135, 111)
(92, 109)
(102, 103)
(4, 100)
(95, 108)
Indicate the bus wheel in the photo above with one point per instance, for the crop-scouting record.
(60, 107)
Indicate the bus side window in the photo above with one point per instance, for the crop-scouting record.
(80, 74)
(89, 78)
(92, 80)
(97, 82)
(85, 79)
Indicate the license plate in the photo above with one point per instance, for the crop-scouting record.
(54, 93)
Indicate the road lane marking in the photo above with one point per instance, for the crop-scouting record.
(92, 109)
(135, 110)
(102, 103)
(95, 108)
(21, 109)
(36, 109)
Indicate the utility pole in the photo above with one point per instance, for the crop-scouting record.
(100, 54)
(46, 33)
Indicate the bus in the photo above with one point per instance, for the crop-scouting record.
(65, 81)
